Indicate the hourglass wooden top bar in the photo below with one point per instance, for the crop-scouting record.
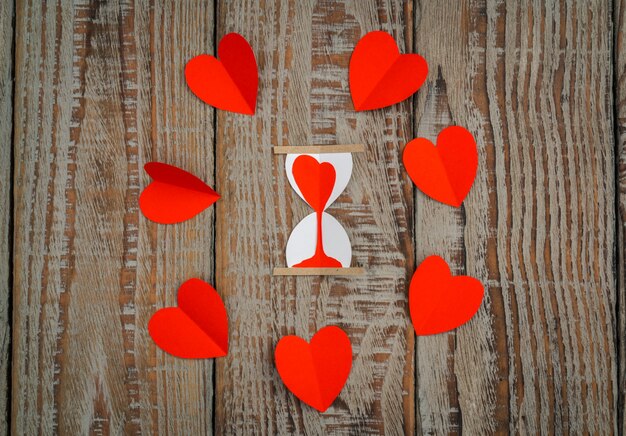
(313, 149)
(319, 245)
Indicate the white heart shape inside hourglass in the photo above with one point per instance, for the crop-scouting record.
(302, 249)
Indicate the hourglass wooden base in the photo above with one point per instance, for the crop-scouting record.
(319, 245)
(350, 271)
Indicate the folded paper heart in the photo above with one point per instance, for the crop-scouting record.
(445, 172)
(174, 195)
(229, 83)
(380, 76)
(315, 372)
(197, 328)
(438, 301)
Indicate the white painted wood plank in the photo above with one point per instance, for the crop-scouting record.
(101, 91)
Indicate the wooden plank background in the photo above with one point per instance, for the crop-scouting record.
(619, 79)
(6, 122)
(92, 90)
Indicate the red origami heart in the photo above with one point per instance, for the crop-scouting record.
(197, 328)
(445, 172)
(438, 301)
(229, 83)
(315, 372)
(175, 195)
(380, 76)
(315, 180)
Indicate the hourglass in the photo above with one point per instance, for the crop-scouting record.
(319, 245)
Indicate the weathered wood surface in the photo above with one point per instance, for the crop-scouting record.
(6, 125)
(303, 50)
(532, 81)
(99, 91)
(619, 23)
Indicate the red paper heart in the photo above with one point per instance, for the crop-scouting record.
(175, 195)
(315, 372)
(380, 76)
(438, 301)
(445, 172)
(316, 180)
(229, 83)
(197, 328)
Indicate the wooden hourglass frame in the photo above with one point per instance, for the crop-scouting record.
(319, 245)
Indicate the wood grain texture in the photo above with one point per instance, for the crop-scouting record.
(6, 129)
(303, 50)
(532, 81)
(619, 78)
(101, 91)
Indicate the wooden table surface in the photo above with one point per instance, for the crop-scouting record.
(91, 90)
